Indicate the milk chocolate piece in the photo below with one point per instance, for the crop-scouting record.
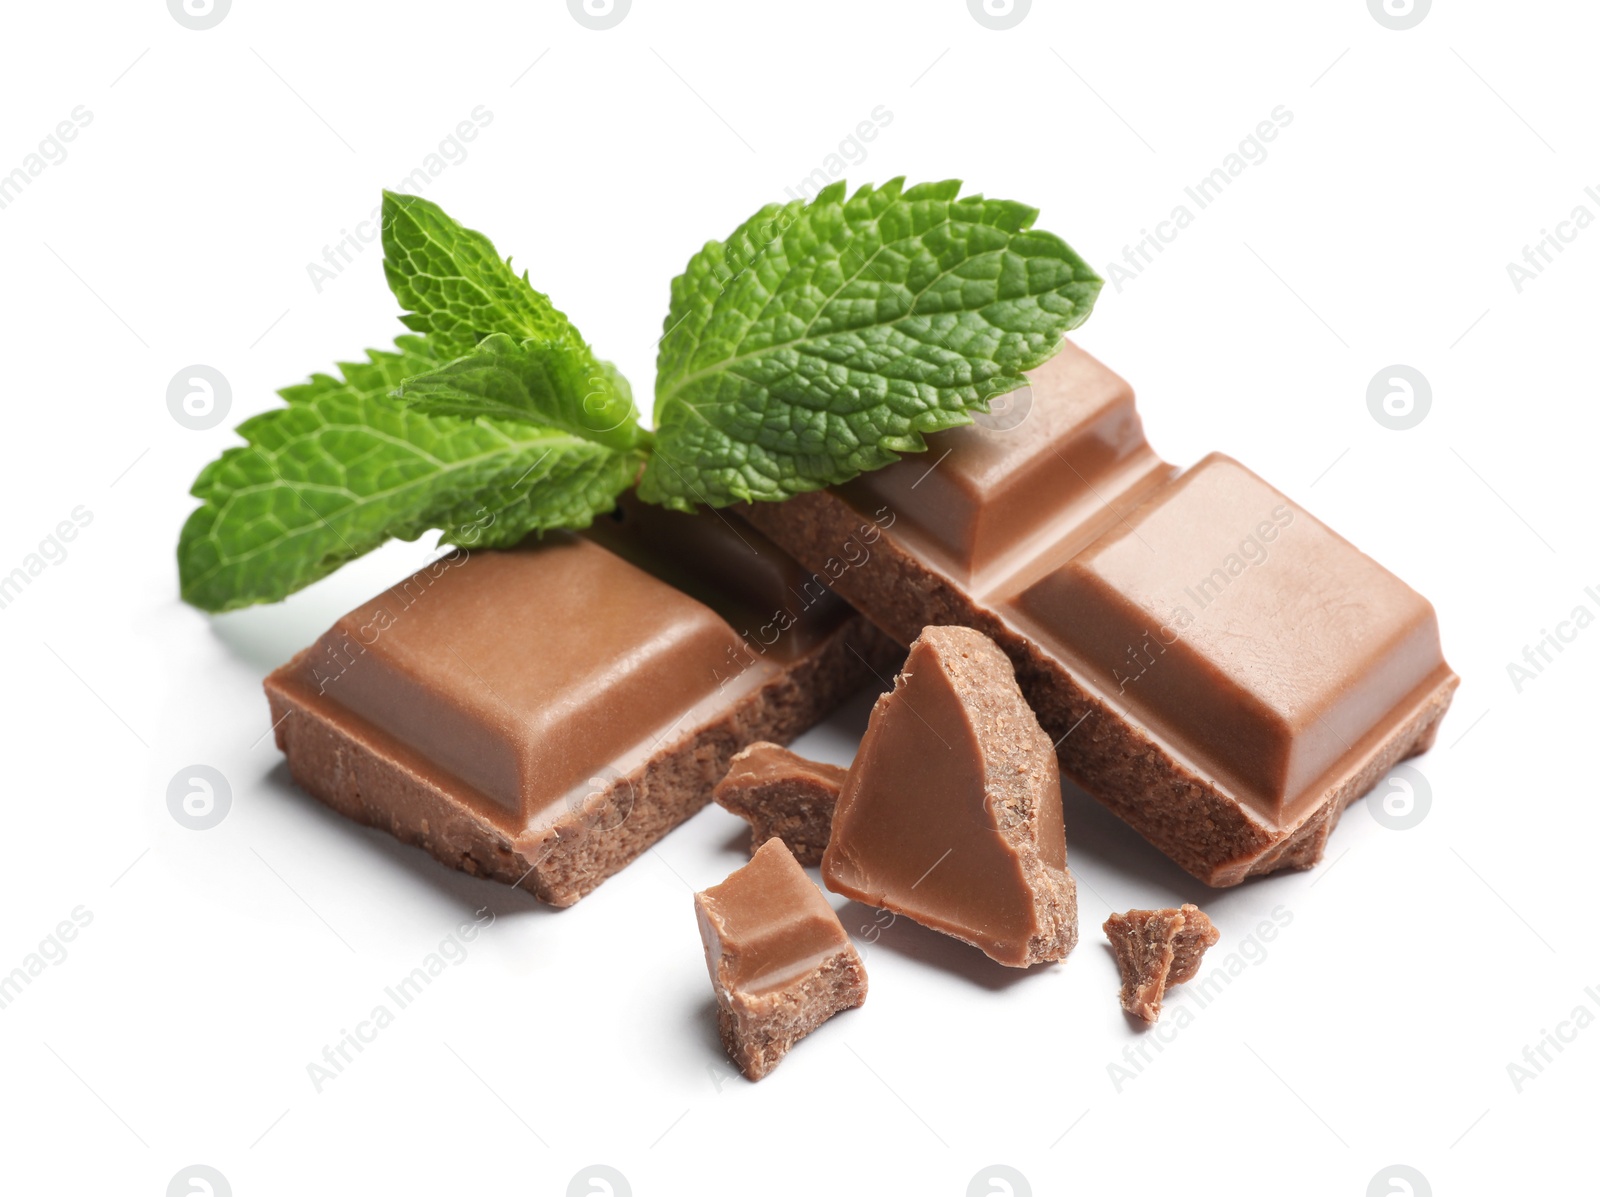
(780, 961)
(951, 813)
(542, 715)
(782, 794)
(1221, 670)
(1157, 949)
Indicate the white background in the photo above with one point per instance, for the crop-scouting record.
(1418, 964)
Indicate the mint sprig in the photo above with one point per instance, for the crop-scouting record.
(820, 340)
(343, 468)
(823, 339)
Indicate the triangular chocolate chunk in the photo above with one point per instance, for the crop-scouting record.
(951, 813)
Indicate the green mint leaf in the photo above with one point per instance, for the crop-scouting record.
(822, 339)
(453, 284)
(343, 467)
(559, 384)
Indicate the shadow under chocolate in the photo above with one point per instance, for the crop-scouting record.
(462, 890)
(1119, 861)
(910, 939)
(701, 1028)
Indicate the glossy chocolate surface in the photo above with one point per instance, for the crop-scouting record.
(524, 672)
(767, 925)
(992, 494)
(1259, 647)
(1258, 642)
(951, 812)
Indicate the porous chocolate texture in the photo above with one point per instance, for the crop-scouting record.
(1156, 949)
(542, 715)
(951, 812)
(782, 794)
(781, 964)
(1221, 670)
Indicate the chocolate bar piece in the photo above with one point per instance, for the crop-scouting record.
(1157, 949)
(542, 715)
(780, 961)
(951, 812)
(1221, 670)
(781, 794)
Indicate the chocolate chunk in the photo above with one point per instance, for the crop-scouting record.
(1156, 949)
(1004, 493)
(780, 961)
(781, 794)
(542, 715)
(1221, 670)
(951, 813)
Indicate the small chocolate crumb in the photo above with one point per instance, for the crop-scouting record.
(1155, 949)
(784, 795)
(780, 961)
